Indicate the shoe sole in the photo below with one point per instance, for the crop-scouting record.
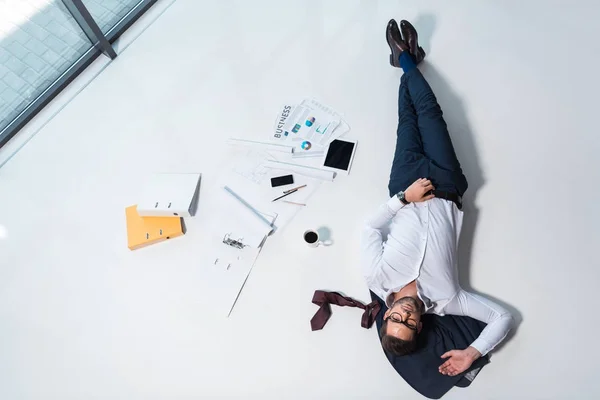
(422, 52)
(397, 63)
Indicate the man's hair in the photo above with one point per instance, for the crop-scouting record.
(394, 345)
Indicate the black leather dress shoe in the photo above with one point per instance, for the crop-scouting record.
(394, 40)
(411, 38)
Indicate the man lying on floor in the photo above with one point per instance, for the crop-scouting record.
(415, 270)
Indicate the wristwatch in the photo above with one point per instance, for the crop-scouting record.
(402, 199)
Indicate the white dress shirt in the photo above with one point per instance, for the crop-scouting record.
(421, 245)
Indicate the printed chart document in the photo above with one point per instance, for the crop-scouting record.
(309, 126)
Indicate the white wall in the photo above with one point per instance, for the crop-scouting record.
(83, 317)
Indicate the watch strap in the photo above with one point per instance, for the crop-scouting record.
(402, 198)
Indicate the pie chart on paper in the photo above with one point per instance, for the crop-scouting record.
(306, 145)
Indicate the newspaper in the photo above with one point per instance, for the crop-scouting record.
(309, 126)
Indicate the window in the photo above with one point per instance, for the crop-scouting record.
(45, 44)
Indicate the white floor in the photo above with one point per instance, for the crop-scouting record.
(82, 317)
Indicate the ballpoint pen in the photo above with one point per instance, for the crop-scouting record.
(286, 194)
(294, 189)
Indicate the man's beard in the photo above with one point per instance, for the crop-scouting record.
(416, 306)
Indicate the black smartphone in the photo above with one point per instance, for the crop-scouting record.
(282, 180)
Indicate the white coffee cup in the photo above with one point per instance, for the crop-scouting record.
(311, 238)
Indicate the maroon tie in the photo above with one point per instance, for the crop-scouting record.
(324, 299)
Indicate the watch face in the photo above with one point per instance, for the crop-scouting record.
(401, 197)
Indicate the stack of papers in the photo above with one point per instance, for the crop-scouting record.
(309, 127)
(250, 178)
(239, 211)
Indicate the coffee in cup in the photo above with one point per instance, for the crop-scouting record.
(311, 238)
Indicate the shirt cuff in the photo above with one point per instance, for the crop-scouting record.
(481, 346)
(395, 204)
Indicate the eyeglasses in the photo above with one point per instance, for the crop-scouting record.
(397, 318)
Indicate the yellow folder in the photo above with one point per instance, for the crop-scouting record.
(144, 231)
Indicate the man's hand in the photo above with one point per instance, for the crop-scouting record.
(459, 361)
(419, 190)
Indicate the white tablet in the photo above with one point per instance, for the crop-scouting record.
(339, 155)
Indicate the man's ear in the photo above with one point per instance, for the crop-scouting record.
(420, 327)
